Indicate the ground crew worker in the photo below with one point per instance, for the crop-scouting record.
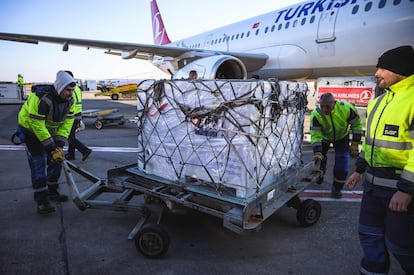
(386, 219)
(330, 123)
(45, 119)
(193, 74)
(20, 85)
(75, 143)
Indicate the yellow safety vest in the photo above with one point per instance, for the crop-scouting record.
(388, 148)
(45, 115)
(335, 126)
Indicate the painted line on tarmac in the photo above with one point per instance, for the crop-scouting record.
(97, 149)
(319, 195)
(325, 195)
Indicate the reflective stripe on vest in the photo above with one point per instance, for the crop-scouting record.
(390, 183)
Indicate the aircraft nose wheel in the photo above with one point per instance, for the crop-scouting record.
(152, 241)
(309, 212)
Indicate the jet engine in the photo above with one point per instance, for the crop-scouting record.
(214, 67)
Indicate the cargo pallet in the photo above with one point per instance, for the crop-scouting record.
(238, 214)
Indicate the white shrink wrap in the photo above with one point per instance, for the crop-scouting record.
(230, 136)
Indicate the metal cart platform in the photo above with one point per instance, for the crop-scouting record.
(239, 215)
(104, 117)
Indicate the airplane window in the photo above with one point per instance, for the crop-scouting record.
(241, 36)
(312, 19)
(368, 6)
(237, 36)
(266, 29)
(287, 25)
(257, 31)
(279, 27)
(397, 2)
(248, 34)
(381, 4)
(355, 9)
(295, 23)
(273, 28)
(303, 21)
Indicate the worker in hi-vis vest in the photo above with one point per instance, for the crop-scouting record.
(331, 123)
(386, 219)
(45, 121)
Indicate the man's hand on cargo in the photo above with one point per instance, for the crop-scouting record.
(57, 155)
(354, 149)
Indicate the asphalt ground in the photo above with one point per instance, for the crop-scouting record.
(94, 241)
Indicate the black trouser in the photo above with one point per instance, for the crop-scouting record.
(74, 143)
(44, 172)
(340, 171)
(382, 230)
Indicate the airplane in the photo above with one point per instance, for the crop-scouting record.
(311, 39)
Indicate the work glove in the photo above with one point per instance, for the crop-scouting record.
(354, 149)
(57, 155)
(80, 126)
(317, 158)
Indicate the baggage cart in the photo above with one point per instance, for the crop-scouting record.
(104, 117)
(126, 184)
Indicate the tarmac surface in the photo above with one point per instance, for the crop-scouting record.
(94, 241)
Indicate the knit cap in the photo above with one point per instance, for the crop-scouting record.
(399, 60)
(63, 79)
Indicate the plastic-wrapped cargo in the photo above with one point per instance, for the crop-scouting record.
(231, 136)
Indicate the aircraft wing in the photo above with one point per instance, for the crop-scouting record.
(252, 61)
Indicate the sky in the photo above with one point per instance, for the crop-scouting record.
(108, 20)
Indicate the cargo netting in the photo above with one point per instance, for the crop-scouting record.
(234, 137)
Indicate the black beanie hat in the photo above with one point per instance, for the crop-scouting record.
(399, 60)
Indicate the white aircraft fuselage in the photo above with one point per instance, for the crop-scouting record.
(318, 38)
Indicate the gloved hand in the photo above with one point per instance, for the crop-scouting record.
(354, 149)
(317, 158)
(80, 126)
(57, 155)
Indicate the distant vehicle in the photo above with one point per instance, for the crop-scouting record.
(104, 88)
(121, 91)
(10, 93)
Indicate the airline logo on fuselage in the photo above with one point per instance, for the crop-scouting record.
(311, 8)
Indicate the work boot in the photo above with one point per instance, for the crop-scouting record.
(319, 180)
(70, 157)
(86, 154)
(45, 208)
(54, 195)
(336, 193)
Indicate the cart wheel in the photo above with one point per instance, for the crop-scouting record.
(98, 124)
(309, 212)
(122, 122)
(152, 241)
(114, 96)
